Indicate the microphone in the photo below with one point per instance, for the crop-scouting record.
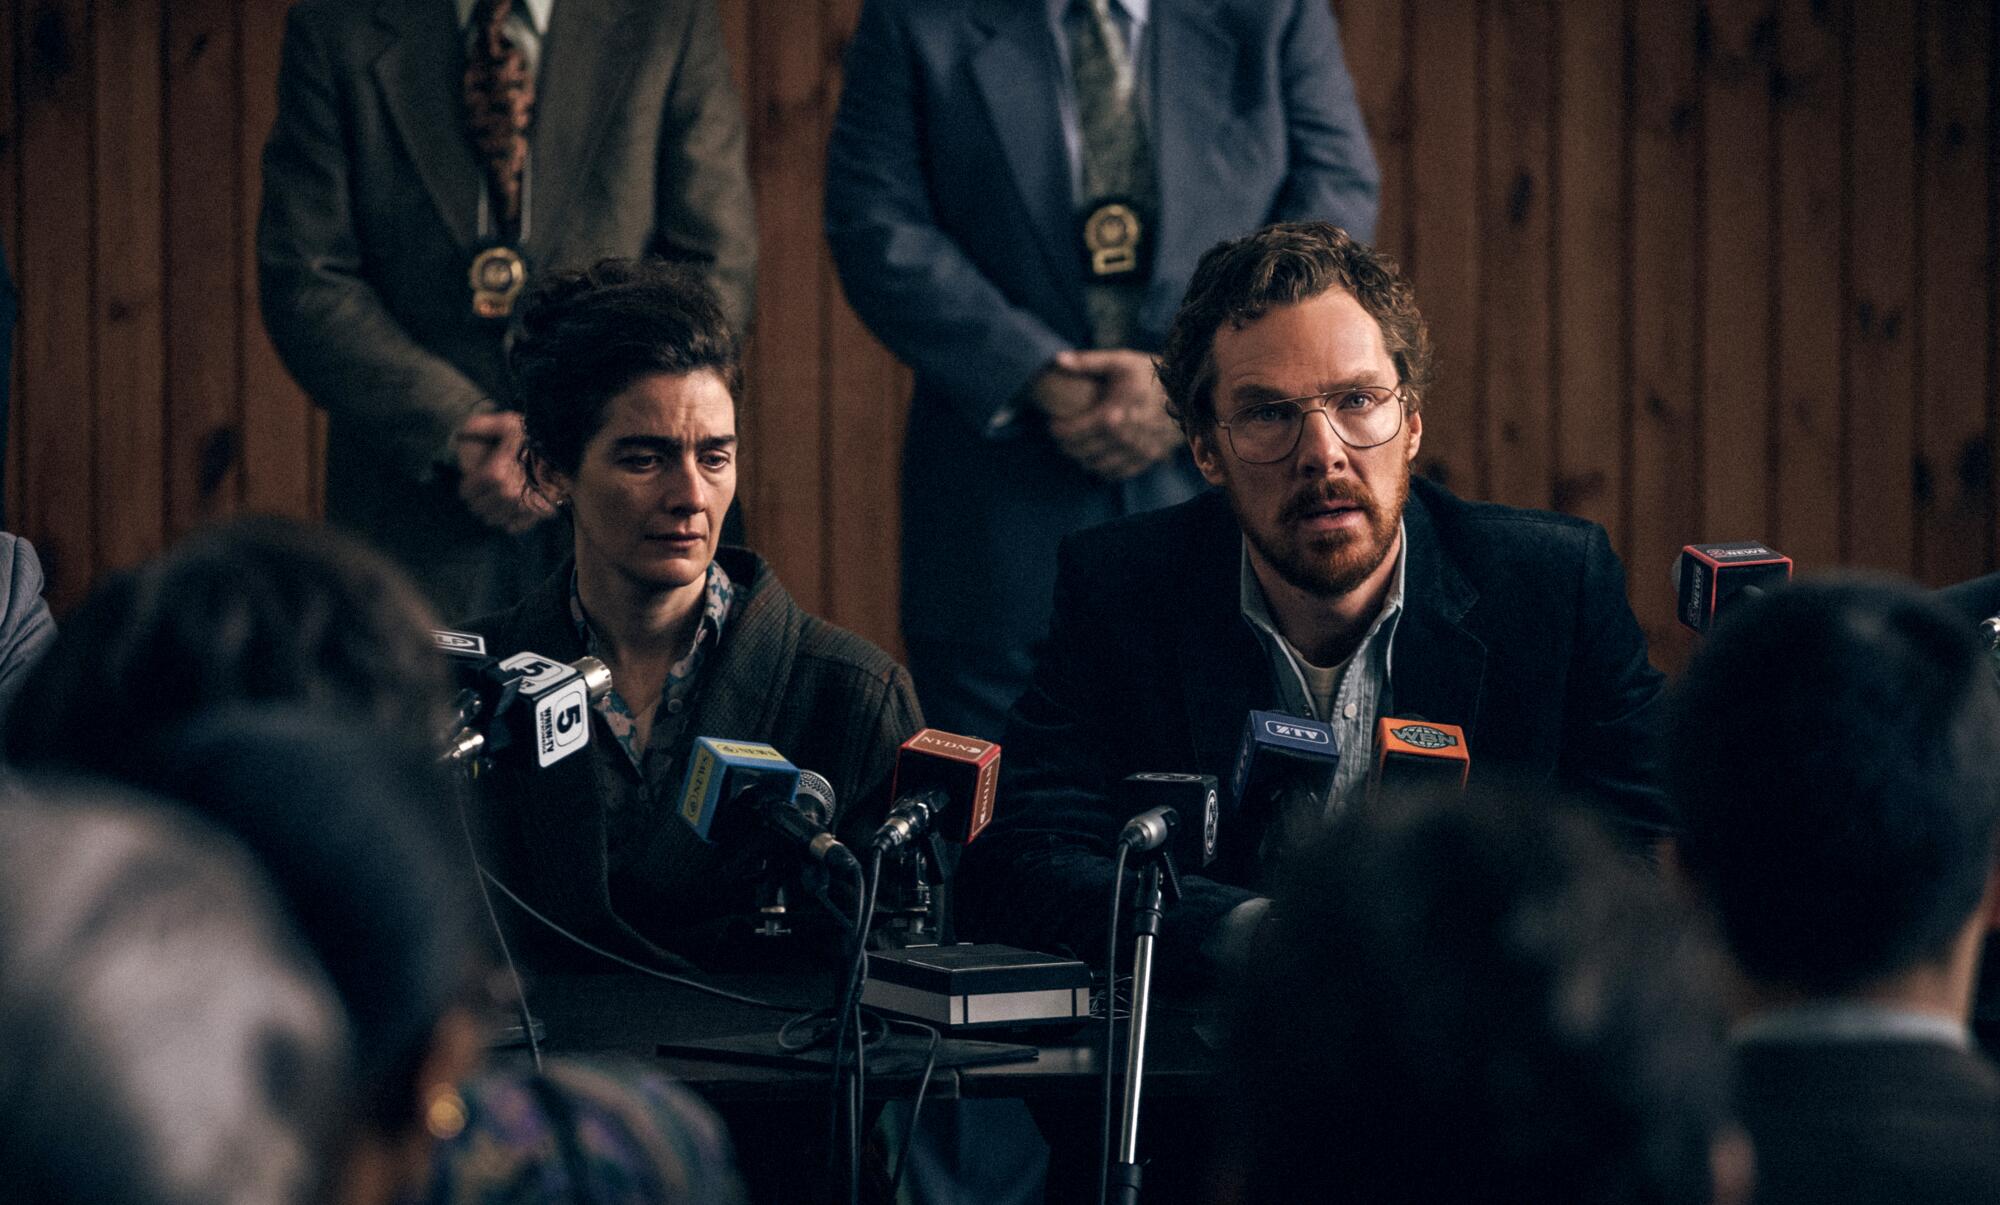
(459, 648)
(1194, 800)
(1150, 830)
(814, 797)
(728, 784)
(1708, 576)
(804, 819)
(1414, 756)
(943, 783)
(1282, 757)
(526, 701)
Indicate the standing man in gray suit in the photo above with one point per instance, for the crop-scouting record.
(1017, 192)
(429, 158)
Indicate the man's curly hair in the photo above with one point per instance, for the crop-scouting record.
(1239, 281)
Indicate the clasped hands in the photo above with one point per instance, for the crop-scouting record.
(1106, 411)
(492, 482)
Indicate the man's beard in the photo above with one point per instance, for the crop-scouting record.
(1330, 565)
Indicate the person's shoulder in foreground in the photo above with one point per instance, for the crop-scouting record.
(625, 1132)
(1835, 752)
(1489, 974)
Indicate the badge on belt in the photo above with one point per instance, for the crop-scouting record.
(1117, 246)
(497, 276)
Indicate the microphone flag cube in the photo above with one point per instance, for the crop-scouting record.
(1192, 796)
(1420, 755)
(1707, 576)
(718, 770)
(965, 768)
(1281, 754)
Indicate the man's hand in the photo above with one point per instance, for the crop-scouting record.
(1127, 429)
(492, 482)
(1063, 393)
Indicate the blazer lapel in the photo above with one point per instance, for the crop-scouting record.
(580, 92)
(1015, 70)
(1190, 91)
(1438, 668)
(758, 645)
(1224, 670)
(419, 75)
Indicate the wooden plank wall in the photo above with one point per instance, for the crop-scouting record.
(1698, 269)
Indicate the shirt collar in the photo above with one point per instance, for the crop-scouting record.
(1850, 1021)
(1257, 609)
(717, 597)
(1136, 11)
(538, 13)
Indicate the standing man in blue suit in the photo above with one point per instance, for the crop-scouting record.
(1017, 193)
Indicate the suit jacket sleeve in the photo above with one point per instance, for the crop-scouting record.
(1610, 741)
(906, 278)
(1041, 874)
(705, 210)
(327, 322)
(1333, 176)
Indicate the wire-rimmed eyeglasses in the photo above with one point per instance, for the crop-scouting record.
(1362, 416)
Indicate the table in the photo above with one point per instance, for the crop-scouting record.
(631, 1014)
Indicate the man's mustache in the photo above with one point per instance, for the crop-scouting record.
(1328, 493)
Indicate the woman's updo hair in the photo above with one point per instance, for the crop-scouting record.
(585, 337)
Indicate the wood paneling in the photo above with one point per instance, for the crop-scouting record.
(10, 195)
(204, 195)
(1588, 238)
(1812, 214)
(55, 488)
(1442, 256)
(1516, 436)
(1664, 279)
(1696, 269)
(1376, 40)
(1877, 504)
(1737, 42)
(282, 432)
(129, 306)
(786, 440)
(1954, 486)
(867, 395)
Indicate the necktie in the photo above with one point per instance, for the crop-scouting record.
(1117, 162)
(499, 103)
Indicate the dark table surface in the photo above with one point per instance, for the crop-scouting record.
(632, 1014)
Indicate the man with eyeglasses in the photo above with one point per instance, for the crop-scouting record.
(1317, 579)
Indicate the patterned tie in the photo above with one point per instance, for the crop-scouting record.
(499, 103)
(1117, 162)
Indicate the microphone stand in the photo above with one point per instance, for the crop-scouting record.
(934, 876)
(1155, 873)
(923, 913)
(464, 748)
(772, 902)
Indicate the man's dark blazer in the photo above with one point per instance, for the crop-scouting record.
(827, 699)
(951, 215)
(369, 221)
(1515, 626)
(1870, 1122)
